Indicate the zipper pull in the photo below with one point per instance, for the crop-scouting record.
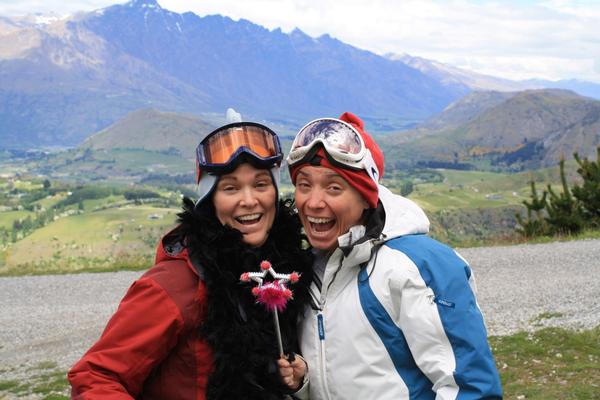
(320, 326)
(431, 298)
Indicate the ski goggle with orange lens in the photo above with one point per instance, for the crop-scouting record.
(220, 148)
(341, 141)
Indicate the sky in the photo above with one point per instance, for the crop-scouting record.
(546, 39)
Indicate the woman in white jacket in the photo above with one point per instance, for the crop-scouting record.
(394, 313)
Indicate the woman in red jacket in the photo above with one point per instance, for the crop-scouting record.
(188, 329)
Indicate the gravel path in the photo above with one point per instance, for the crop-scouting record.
(56, 318)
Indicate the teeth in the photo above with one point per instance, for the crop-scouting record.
(319, 220)
(248, 217)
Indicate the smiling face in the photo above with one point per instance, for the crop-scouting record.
(245, 200)
(327, 204)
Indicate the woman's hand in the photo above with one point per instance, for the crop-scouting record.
(292, 373)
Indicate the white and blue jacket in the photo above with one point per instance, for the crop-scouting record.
(395, 317)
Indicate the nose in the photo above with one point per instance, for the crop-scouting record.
(248, 198)
(315, 199)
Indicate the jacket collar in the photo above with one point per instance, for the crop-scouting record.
(394, 216)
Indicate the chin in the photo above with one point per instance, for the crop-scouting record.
(321, 245)
(255, 240)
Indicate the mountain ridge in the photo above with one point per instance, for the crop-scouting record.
(81, 74)
(154, 130)
(523, 130)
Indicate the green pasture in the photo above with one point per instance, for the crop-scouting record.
(146, 161)
(470, 189)
(479, 189)
(107, 239)
(50, 201)
(26, 185)
(8, 217)
(118, 165)
(92, 204)
(465, 208)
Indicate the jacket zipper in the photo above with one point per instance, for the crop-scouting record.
(321, 332)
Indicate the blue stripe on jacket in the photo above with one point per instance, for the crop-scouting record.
(419, 387)
(448, 276)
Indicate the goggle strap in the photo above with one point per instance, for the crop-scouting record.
(370, 166)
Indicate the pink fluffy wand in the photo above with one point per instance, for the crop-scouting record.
(274, 294)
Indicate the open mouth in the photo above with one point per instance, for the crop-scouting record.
(249, 219)
(321, 224)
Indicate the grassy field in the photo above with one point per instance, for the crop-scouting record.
(118, 165)
(109, 239)
(476, 189)
(8, 217)
(551, 363)
(466, 208)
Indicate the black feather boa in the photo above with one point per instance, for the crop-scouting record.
(241, 332)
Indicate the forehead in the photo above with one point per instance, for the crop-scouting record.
(314, 172)
(244, 171)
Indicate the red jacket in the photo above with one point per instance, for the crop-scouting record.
(151, 348)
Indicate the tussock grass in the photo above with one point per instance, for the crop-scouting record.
(45, 380)
(551, 363)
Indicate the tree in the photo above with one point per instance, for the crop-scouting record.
(406, 188)
(535, 224)
(588, 194)
(565, 214)
(569, 211)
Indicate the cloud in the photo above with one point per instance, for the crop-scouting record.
(551, 39)
(514, 39)
(13, 8)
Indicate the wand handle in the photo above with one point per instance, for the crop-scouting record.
(278, 332)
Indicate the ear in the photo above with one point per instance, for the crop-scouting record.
(365, 204)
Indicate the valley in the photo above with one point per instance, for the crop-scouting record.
(76, 218)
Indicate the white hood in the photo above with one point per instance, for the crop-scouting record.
(402, 216)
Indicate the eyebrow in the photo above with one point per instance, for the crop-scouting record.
(329, 173)
(259, 175)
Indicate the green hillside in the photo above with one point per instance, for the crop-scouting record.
(75, 208)
(96, 227)
(106, 239)
(151, 129)
(524, 130)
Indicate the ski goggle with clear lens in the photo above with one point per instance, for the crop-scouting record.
(341, 141)
(220, 148)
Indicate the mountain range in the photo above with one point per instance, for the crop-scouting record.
(64, 79)
(448, 74)
(527, 129)
(498, 130)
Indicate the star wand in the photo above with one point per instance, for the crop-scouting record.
(274, 294)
